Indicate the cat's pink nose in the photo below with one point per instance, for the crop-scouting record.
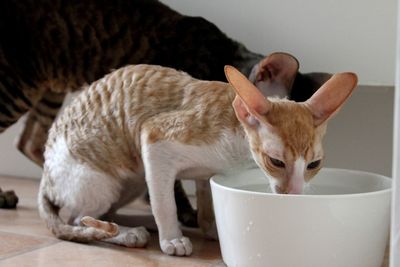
(295, 188)
(296, 185)
(297, 191)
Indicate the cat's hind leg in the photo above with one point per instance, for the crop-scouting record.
(84, 191)
(205, 209)
(186, 214)
(40, 118)
(16, 97)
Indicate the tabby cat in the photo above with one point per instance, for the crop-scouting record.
(48, 48)
(51, 47)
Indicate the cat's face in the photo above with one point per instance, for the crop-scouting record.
(286, 137)
(287, 147)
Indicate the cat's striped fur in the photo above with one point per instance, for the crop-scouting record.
(149, 125)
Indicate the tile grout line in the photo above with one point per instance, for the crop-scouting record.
(30, 235)
(28, 250)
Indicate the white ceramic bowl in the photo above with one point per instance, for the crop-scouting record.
(344, 223)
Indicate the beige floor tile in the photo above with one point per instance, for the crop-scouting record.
(73, 254)
(12, 244)
(26, 214)
(23, 221)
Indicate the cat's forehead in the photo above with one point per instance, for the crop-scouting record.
(285, 111)
(293, 125)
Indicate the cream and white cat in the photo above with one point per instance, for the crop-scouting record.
(149, 125)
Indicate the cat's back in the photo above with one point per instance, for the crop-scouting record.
(124, 96)
(105, 121)
(134, 93)
(65, 43)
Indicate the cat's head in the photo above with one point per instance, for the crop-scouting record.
(278, 75)
(285, 137)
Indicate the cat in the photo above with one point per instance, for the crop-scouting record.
(110, 140)
(48, 48)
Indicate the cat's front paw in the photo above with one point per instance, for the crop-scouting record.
(177, 247)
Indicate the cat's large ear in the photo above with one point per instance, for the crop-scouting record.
(331, 96)
(249, 103)
(275, 74)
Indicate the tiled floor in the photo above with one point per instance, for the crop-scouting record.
(25, 241)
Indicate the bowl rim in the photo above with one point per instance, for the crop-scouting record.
(286, 196)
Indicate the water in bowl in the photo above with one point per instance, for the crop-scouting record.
(312, 189)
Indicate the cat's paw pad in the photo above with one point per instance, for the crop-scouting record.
(135, 238)
(178, 246)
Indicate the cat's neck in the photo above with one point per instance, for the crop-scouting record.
(237, 149)
(230, 153)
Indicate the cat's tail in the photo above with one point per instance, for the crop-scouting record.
(95, 229)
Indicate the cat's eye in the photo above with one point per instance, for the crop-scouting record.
(314, 165)
(277, 163)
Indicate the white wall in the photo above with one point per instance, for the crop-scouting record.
(395, 224)
(325, 35)
(11, 161)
